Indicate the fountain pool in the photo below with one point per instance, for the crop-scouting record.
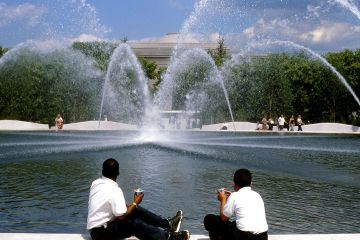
(310, 183)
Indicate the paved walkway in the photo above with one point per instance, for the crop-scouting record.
(46, 236)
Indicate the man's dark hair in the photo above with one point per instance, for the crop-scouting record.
(110, 168)
(242, 178)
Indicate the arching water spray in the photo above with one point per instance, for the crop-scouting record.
(185, 62)
(350, 5)
(125, 67)
(221, 81)
(198, 11)
(199, 8)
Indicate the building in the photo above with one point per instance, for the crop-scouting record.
(161, 49)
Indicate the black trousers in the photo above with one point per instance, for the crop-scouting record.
(142, 223)
(219, 230)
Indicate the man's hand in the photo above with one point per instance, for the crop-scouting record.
(138, 198)
(130, 207)
(222, 197)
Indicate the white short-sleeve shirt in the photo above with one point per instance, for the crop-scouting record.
(106, 201)
(281, 121)
(249, 210)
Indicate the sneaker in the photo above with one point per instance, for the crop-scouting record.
(183, 235)
(174, 222)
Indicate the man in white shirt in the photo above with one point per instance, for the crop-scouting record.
(110, 218)
(247, 206)
(281, 122)
(299, 123)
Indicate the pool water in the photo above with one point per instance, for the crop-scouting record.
(310, 183)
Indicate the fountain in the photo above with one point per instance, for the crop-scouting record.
(193, 85)
(310, 182)
(125, 92)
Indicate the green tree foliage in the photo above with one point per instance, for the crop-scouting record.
(291, 84)
(100, 51)
(348, 64)
(316, 90)
(220, 54)
(197, 87)
(3, 51)
(190, 78)
(35, 87)
(258, 88)
(152, 72)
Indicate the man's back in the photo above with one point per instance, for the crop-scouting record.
(249, 210)
(106, 200)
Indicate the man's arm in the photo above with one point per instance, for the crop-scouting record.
(222, 197)
(131, 207)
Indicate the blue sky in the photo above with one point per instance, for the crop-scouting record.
(21, 20)
(322, 25)
(140, 19)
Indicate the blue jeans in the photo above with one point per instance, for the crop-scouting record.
(142, 224)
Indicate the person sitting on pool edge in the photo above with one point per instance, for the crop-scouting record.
(248, 208)
(110, 218)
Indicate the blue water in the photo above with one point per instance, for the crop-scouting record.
(310, 183)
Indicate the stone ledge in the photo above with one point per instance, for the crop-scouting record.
(55, 236)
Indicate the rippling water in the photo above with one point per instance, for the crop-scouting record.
(310, 183)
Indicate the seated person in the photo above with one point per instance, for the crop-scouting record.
(224, 126)
(110, 218)
(247, 206)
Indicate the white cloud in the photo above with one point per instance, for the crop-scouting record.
(176, 4)
(30, 13)
(320, 36)
(321, 32)
(187, 38)
(87, 38)
(314, 10)
(214, 37)
(330, 32)
(180, 4)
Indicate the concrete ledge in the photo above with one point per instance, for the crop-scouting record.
(15, 125)
(52, 236)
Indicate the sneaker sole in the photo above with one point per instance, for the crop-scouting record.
(178, 226)
(187, 234)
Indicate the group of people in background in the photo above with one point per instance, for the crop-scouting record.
(281, 123)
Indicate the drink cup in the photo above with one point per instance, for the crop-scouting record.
(138, 191)
(222, 190)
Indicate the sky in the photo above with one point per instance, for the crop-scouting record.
(322, 25)
(21, 20)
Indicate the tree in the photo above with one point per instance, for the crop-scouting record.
(348, 64)
(3, 51)
(124, 39)
(34, 87)
(152, 72)
(100, 51)
(318, 94)
(220, 54)
(258, 88)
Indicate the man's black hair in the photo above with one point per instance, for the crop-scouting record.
(110, 168)
(242, 178)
